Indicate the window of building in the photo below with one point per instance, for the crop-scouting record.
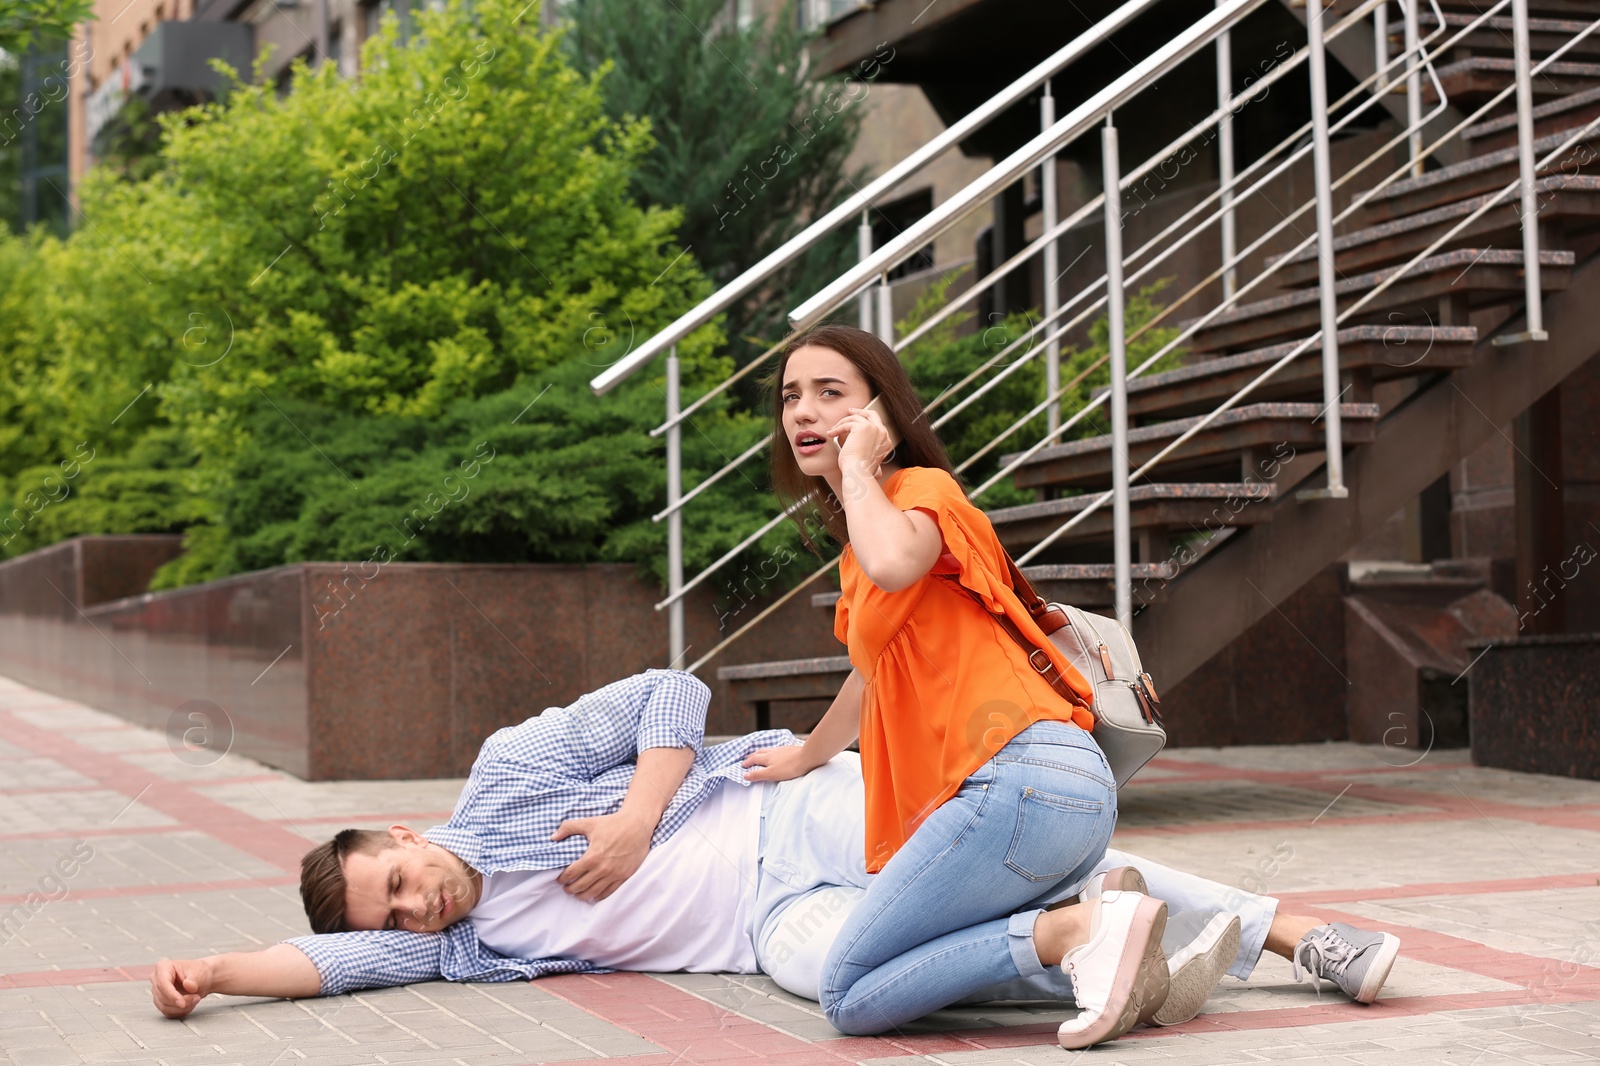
(372, 17)
(891, 219)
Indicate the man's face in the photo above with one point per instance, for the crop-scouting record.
(415, 886)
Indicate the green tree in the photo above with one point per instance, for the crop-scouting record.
(750, 145)
(10, 148)
(359, 284)
(23, 22)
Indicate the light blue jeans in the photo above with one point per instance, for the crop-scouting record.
(813, 875)
(953, 911)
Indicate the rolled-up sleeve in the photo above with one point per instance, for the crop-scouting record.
(674, 716)
(348, 962)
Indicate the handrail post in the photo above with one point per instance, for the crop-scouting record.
(1230, 232)
(885, 310)
(1413, 82)
(1533, 291)
(1051, 262)
(675, 648)
(1333, 429)
(1121, 524)
(1380, 45)
(863, 251)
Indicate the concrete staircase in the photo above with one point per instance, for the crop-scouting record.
(1222, 534)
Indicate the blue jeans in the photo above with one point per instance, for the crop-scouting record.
(945, 916)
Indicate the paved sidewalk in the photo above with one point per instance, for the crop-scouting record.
(1491, 879)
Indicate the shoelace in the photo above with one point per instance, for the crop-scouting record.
(1323, 955)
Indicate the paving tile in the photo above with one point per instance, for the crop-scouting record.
(1193, 803)
(168, 888)
(78, 812)
(1333, 856)
(1558, 923)
(33, 772)
(1331, 758)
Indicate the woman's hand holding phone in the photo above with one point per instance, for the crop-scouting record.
(864, 438)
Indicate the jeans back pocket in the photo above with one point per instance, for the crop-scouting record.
(1054, 834)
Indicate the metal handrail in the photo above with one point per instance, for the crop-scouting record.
(1521, 183)
(791, 249)
(992, 182)
(1415, 59)
(1288, 220)
(1033, 248)
(1171, 248)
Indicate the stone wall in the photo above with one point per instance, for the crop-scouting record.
(332, 674)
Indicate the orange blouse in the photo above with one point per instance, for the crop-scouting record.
(946, 687)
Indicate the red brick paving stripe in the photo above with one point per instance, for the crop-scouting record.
(45, 790)
(162, 889)
(261, 839)
(97, 976)
(696, 1030)
(1314, 897)
(113, 831)
(1435, 806)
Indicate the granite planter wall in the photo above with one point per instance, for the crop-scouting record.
(1535, 705)
(330, 673)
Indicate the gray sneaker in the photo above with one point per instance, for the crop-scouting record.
(1354, 959)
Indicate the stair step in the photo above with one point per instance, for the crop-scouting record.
(1080, 584)
(762, 684)
(1482, 276)
(1471, 177)
(827, 664)
(1469, 83)
(1240, 437)
(1493, 35)
(1572, 199)
(1538, 8)
(1552, 117)
(1153, 508)
(1384, 352)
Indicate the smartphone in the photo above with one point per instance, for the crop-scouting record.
(888, 423)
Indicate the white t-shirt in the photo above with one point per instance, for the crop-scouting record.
(688, 907)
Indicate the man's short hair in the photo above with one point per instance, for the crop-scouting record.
(322, 883)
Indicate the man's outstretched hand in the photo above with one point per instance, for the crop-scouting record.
(281, 971)
(618, 844)
(178, 985)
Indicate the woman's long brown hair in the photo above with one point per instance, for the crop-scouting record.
(919, 445)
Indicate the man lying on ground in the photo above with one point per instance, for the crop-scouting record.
(603, 836)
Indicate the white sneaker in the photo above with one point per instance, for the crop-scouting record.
(1196, 962)
(1119, 977)
(1116, 879)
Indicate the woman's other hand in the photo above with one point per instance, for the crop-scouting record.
(778, 764)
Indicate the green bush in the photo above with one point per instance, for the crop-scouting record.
(376, 274)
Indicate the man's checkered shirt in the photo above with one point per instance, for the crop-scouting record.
(569, 762)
